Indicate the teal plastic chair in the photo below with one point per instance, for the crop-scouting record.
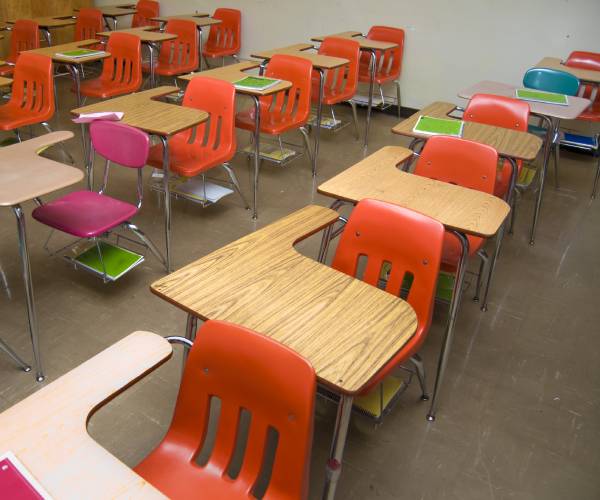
(551, 80)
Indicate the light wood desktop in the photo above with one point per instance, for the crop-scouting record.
(320, 63)
(234, 73)
(509, 143)
(72, 64)
(51, 22)
(151, 38)
(142, 110)
(113, 12)
(371, 47)
(462, 210)
(25, 176)
(551, 113)
(47, 431)
(344, 327)
(586, 75)
(5, 82)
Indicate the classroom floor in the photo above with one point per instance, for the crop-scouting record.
(519, 414)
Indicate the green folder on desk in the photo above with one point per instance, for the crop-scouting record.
(255, 83)
(76, 54)
(541, 96)
(430, 125)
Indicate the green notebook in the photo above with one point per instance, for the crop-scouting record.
(255, 83)
(438, 126)
(117, 260)
(541, 96)
(76, 54)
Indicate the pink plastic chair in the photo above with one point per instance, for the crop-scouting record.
(90, 214)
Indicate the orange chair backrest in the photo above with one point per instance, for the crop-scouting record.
(33, 86)
(458, 161)
(182, 51)
(217, 98)
(408, 242)
(388, 63)
(89, 23)
(146, 10)
(124, 66)
(347, 79)
(498, 111)
(246, 370)
(227, 34)
(24, 36)
(295, 103)
(585, 60)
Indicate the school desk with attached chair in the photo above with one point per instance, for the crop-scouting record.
(47, 23)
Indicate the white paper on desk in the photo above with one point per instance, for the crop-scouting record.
(113, 116)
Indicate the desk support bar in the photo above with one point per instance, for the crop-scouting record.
(31, 314)
(165, 144)
(256, 155)
(340, 431)
(544, 170)
(14, 356)
(319, 117)
(448, 337)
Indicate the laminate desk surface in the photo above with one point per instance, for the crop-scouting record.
(199, 21)
(344, 327)
(115, 11)
(24, 175)
(53, 51)
(378, 177)
(51, 21)
(234, 73)
(570, 112)
(5, 82)
(587, 75)
(302, 50)
(142, 111)
(191, 17)
(47, 431)
(511, 143)
(146, 34)
(365, 43)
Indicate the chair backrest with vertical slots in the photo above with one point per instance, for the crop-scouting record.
(33, 86)
(344, 81)
(388, 63)
(24, 36)
(248, 373)
(407, 242)
(89, 23)
(182, 51)
(585, 60)
(225, 36)
(145, 10)
(124, 66)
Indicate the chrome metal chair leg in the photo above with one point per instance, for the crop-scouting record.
(420, 370)
(398, 98)
(305, 139)
(355, 118)
(484, 259)
(556, 159)
(60, 144)
(236, 184)
(18, 134)
(513, 213)
(4, 347)
(235, 57)
(596, 179)
(148, 242)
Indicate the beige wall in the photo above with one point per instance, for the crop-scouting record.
(449, 44)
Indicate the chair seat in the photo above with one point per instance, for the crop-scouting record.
(187, 159)
(381, 77)
(98, 87)
(534, 129)
(176, 479)
(452, 250)
(218, 52)
(13, 116)
(273, 123)
(331, 95)
(168, 69)
(84, 214)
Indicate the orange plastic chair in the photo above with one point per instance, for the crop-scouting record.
(285, 110)
(250, 373)
(89, 24)
(468, 164)
(388, 65)
(587, 60)
(121, 72)
(224, 39)
(415, 252)
(177, 56)
(213, 142)
(146, 10)
(24, 36)
(340, 86)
